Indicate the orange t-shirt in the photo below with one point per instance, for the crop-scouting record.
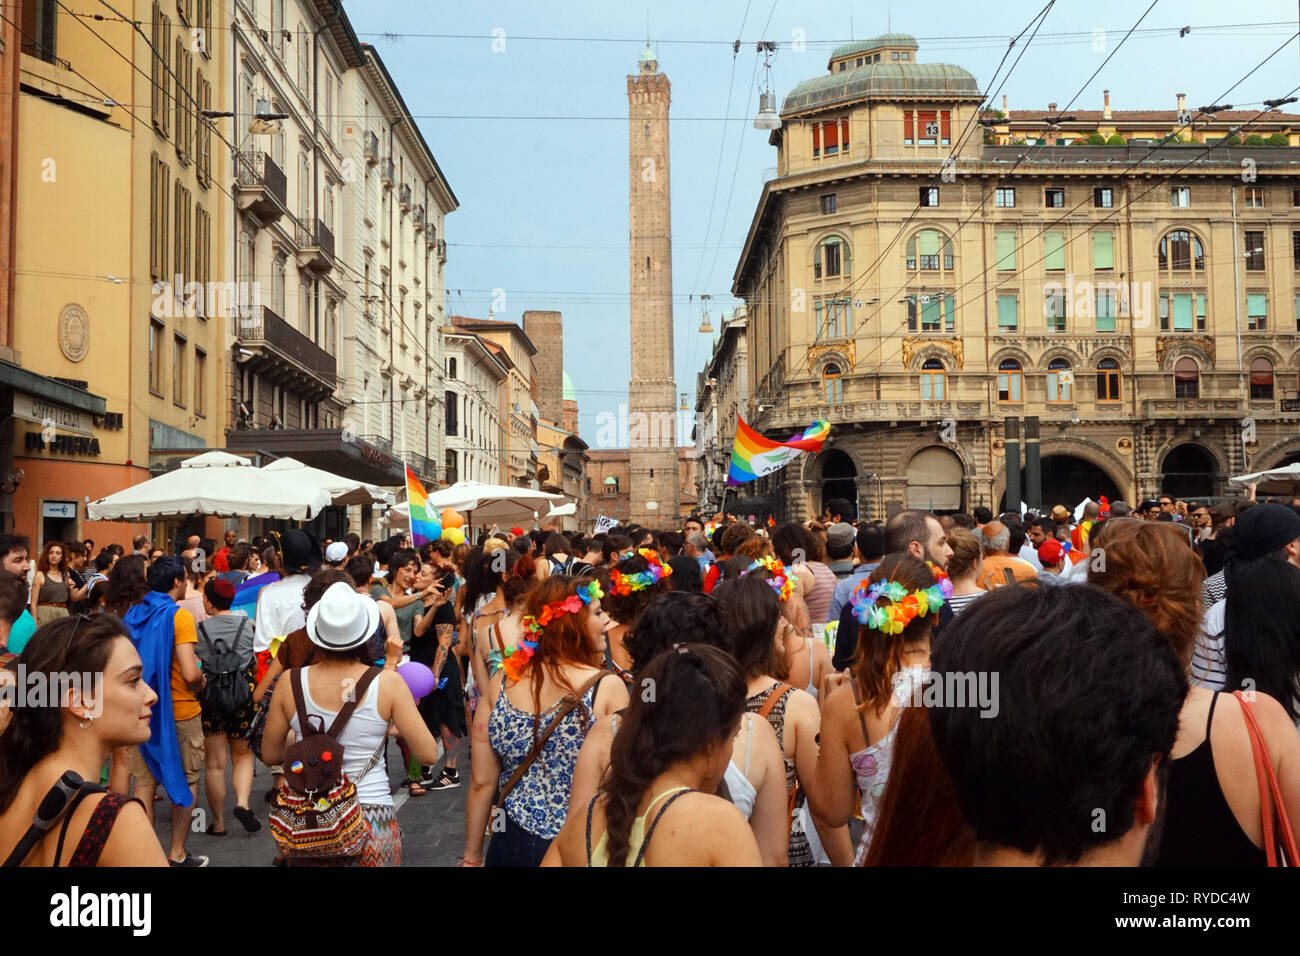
(184, 704)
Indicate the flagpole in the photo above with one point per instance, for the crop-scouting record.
(410, 518)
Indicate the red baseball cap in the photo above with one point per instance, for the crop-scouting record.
(1050, 552)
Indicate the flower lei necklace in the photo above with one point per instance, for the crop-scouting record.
(515, 662)
(903, 608)
(782, 579)
(627, 583)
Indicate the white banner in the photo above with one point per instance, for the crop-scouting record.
(604, 525)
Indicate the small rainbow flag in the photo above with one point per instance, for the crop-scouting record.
(424, 527)
(754, 456)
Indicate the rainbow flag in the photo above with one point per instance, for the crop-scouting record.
(754, 456)
(424, 527)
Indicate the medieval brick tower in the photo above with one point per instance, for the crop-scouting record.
(652, 432)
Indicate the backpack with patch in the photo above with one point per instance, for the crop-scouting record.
(317, 812)
(227, 691)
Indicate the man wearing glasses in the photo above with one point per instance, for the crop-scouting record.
(1166, 504)
(1149, 509)
(1200, 520)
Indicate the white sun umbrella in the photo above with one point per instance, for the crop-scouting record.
(342, 491)
(214, 483)
(563, 511)
(1275, 481)
(494, 504)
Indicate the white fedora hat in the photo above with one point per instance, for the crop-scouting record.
(342, 619)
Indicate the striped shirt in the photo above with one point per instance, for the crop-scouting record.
(1214, 589)
(1209, 661)
(958, 601)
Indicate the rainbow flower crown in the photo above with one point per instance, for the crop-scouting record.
(903, 608)
(515, 662)
(782, 580)
(627, 583)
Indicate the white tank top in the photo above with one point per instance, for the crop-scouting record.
(742, 791)
(360, 738)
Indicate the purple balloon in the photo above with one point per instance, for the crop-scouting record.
(418, 677)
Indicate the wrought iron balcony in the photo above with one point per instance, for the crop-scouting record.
(260, 185)
(271, 346)
(386, 172)
(315, 246)
(371, 148)
(417, 218)
(404, 196)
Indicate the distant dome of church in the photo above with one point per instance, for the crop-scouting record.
(568, 392)
(648, 55)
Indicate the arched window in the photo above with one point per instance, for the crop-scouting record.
(832, 258)
(1060, 381)
(1108, 380)
(1187, 378)
(1180, 251)
(930, 250)
(1261, 379)
(832, 385)
(1009, 381)
(933, 384)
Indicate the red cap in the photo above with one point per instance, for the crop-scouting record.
(1050, 552)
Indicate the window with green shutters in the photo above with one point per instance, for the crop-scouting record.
(1106, 310)
(1006, 249)
(1297, 312)
(1103, 250)
(1257, 312)
(1055, 242)
(1182, 311)
(1008, 315)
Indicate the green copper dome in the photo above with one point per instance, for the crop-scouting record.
(879, 79)
(567, 391)
(648, 55)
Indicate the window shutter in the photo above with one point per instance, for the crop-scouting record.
(907, 125)
(1055, 250)
(817, 138)
(1257, 304)
(1183, 312)
(1103, 250)
(1007, 311)
(929, 243)
(844, 133)
(1006, 249)
(832, 134)
(945, 124)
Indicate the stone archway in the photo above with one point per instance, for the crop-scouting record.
(837, 477)
(935, 480)
(1189, 470)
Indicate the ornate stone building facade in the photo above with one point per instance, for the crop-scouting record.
(1131, 310)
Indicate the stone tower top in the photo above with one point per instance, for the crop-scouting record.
(649, 61)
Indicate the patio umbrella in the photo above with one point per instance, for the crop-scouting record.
(488, 504)
(214, 483)
(342, 491)
(1276, 481)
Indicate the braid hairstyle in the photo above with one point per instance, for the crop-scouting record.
(698, 700)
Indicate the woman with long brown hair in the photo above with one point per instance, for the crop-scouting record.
(896, 608)
(633, 584)
(1214, 815)
(666, 761)
(51, 591)
(61, 748)
(532, 721)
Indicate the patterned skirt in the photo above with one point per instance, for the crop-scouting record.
(384, 848)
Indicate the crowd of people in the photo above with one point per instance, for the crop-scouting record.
(927, 690)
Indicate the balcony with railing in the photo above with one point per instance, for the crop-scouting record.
(371, 148)
(417, 218)
(261, 187)
(386, 172)
(270, 346)
(315, 246)
(404, 196)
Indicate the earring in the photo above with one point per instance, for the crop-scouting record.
(85, 723)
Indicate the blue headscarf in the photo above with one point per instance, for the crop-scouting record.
(152, 624)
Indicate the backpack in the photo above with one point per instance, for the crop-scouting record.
(227, 691)
(317, 813)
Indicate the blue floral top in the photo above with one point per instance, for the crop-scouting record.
(540, 801)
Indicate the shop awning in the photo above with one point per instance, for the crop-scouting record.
(50, 389)
(324, 448)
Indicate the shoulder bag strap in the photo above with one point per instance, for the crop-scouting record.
(496, 632)
(1009, 575)
(1273, 810)
(299, 701)
(239, 631)
(86, 790)
(68, 786)
(773, 696)
(358, 695)
(569, 702)
(857, 701)
(374, 757)
(203, 633)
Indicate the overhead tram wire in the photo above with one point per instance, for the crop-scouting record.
(1163, 180)
(1036, 23)
(1064, 217)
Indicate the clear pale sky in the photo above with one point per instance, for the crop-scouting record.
(544, 207)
